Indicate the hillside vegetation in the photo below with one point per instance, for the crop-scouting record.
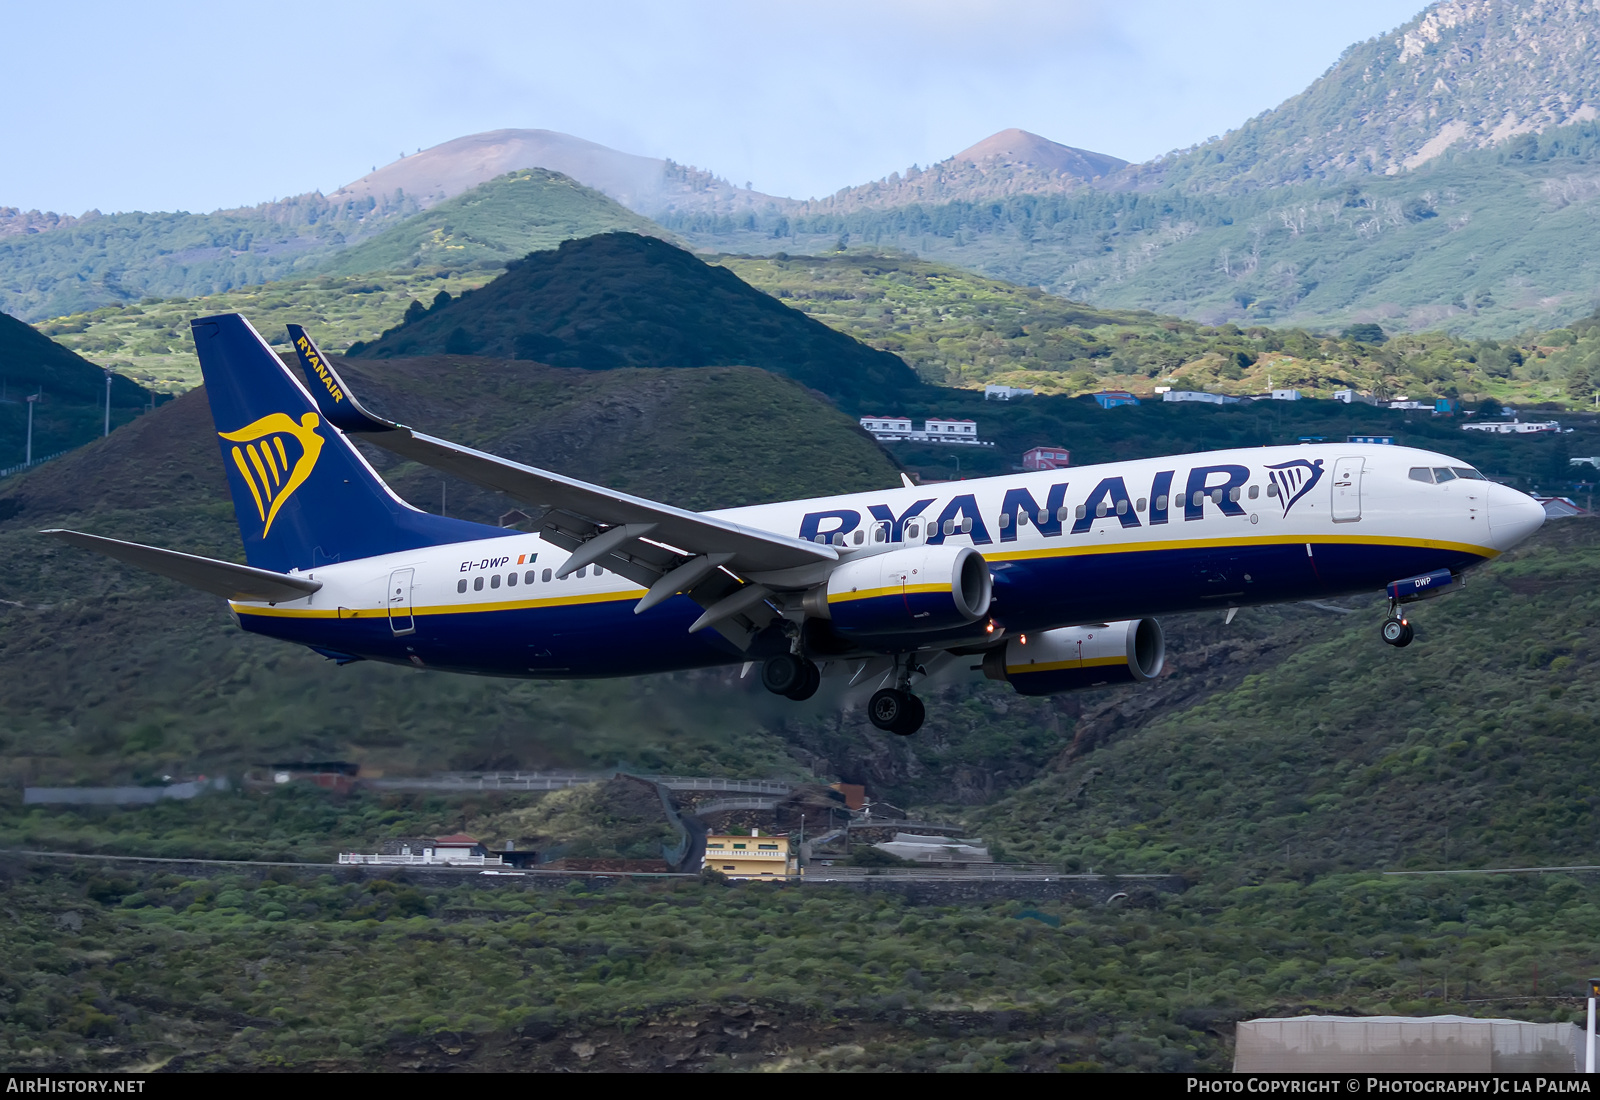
(490, 226)
(105, 259)
(149, 341)
(623, 300)
(1483, 243)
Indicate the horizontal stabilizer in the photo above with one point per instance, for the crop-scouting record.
(220, 578)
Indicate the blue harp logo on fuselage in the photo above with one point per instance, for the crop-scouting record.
(1295, 479)
(275, 455)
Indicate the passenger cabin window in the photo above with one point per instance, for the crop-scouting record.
(530, 576)
(1233, 494)
(1139, 507)
(966, 526)
(1122, 507)
(477, 584)
(494, 581)
(545, 576)
(511, 580)
(1272, 490)
(912, 530)
(1255, 491)
(1082, 511)
(1004, 521)
(880, 533)
(461, 585)
(1062, 513)
(584, 572)
(859, 537)
(1161, 503)
(1100, 510)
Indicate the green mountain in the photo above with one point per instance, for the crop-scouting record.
(621, 299)
(491, 225)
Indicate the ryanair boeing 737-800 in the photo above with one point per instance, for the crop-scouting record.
(1045, 580)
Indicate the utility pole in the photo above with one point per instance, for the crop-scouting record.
(108, 404)
(1588, 1058)
(28, 454)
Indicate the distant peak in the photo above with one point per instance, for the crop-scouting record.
(1019, 147)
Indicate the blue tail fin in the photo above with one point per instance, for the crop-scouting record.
(302, 493)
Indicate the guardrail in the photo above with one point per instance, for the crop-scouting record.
(418, 860)
(719, 805)
(21, 466)
(984, 871)
(557, 781)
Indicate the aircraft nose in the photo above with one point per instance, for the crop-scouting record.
(1513, 516)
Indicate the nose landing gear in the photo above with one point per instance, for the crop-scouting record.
(1397, 629)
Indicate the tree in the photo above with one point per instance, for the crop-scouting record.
(1365, 333)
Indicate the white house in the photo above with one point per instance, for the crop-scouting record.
(1196, 395)
(951, 430)
(1286, 395)
(1513, 427)
(1004, 393)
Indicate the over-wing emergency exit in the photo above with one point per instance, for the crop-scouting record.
(1048, 581)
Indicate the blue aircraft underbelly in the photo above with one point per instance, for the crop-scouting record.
(608, 639)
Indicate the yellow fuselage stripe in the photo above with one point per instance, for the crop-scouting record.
(1243, 541)
(892, 590)
(1057, 666)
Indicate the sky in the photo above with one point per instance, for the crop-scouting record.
(196, 106)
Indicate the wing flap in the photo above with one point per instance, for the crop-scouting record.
(220, 578)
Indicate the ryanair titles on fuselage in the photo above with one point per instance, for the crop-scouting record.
(1219, 485)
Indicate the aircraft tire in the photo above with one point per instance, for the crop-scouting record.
(1397, 632)
(888, 708)
(808, 685)
(784, 673)
(916, 714)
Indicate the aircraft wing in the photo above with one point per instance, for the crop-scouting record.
(647, 542)
(220, 578)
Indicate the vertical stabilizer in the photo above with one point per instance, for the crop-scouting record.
(302, 493)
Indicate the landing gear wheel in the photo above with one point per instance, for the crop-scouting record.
(809, 683)
(895, 711)
(1398, 633)
(783, 673)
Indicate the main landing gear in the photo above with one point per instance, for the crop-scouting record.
(1397, 628)
(893, 710)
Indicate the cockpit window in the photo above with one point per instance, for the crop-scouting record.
(1469, 473)
(1422, 473)
(1442, 474)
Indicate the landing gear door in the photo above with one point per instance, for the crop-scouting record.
(400, 618)
(1347, 489)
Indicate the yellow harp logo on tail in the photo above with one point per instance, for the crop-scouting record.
(271, 469)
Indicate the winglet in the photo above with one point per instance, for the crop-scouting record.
(337, 404)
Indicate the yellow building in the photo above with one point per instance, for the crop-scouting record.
(753, 856)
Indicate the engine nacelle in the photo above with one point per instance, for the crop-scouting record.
(1071, 658)
(905, 591)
